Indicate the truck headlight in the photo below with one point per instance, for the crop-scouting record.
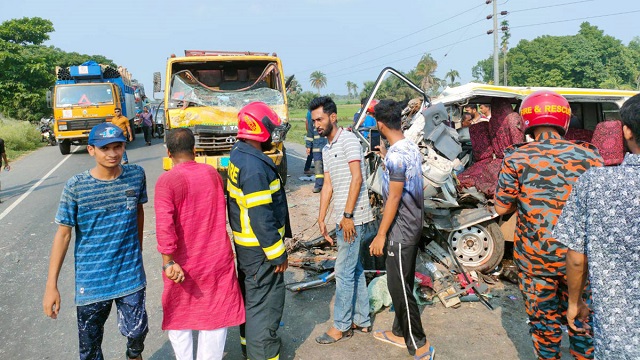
(62, 127)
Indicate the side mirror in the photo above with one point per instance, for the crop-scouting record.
(288, 81)
(49, 99)
(157, 82)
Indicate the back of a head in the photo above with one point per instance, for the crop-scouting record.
(181, 142)
(389, 112)
(328, 105)
(545, 108)
(630, 114)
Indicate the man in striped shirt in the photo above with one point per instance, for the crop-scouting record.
(104, 205)
(343, 180)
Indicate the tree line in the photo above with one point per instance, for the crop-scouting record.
(28, 67)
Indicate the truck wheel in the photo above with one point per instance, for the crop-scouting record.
(65, 147)
(479, 247)
(282, 168)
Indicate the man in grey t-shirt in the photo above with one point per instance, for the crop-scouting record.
(343, 180)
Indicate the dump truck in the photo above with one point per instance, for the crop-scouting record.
(205, 90)
(86, 95)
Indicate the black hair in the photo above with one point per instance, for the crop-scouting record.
(471, 106)
(363, 100)
(466, 114)
(117, 109)
(389, 112)
(328, 106)
(181, 141)
(630, 114)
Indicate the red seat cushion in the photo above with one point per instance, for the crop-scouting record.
(579, 134)
(608, 138)
(511, 131)
(480, 141)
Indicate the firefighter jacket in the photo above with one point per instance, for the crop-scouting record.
(257, 206)
(313, 140)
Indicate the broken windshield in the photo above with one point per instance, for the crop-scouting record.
(186, 90)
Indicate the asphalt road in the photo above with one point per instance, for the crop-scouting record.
(29, 203)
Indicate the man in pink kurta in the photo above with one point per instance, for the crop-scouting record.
(201, 290)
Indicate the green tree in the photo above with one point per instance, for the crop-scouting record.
(26, 31)
(425, 71)
(452, 75)
(318, 80)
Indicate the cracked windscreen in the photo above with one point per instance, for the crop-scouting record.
(186, 90)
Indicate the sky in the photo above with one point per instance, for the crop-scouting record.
(348, 40)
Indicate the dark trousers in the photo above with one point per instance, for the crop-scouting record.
(132, 323)
(401, 268)
(263, 295)
(146, 130)
(307, 164)
(319, 168)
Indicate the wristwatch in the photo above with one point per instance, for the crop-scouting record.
(348, 215)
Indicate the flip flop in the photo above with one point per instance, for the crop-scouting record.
(326, 339)
(382, 336)
(429, 355)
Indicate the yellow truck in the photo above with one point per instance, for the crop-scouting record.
(205, 90)
(86, 95)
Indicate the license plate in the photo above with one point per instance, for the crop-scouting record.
(224, 161)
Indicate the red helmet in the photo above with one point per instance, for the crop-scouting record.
(256, 121)
(371, 107)
(545, 108)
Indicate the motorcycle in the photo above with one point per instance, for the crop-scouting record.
(46, 133)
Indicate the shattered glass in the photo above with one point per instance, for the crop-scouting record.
(185, 88)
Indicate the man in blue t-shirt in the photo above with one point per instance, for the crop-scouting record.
(401, 224)
(104, 205)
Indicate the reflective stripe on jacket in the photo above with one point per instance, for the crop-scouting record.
(257, 207)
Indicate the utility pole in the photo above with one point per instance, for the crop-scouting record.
(496, 65)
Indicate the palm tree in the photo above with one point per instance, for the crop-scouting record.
(355, 89)
(318, 80)
(350, 86)
(452, 75)
(425, 69)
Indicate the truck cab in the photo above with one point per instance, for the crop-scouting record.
(205, 90)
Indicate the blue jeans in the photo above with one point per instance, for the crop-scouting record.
(132, 323)
(352, 300)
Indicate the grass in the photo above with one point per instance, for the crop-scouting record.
(19, 137)
(297, 118)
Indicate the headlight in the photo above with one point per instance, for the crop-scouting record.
(62, 127)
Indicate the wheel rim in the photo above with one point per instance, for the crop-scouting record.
(472, 245)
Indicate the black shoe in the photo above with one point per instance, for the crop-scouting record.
(317, 190)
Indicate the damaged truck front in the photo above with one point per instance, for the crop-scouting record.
(204, 92)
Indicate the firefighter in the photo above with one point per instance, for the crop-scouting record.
(535, 181)
(315, 143)
(259, 219)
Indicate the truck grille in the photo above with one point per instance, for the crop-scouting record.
(83, 124)
(215, 138)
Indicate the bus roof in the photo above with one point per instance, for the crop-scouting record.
(482, 93)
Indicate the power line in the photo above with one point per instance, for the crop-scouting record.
(408, 57)
(407, 48)
(550, 6)
(393, 41)
(576, 19)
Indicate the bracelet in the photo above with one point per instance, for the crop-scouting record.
(170, 263)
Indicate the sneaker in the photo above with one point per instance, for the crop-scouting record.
(317, 190)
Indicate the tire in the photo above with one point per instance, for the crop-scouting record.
(282, 167)
(65, 147)
(479, 247)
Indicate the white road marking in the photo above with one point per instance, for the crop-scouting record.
(24, 196)
(297, 157)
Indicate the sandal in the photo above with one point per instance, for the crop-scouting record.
(429, 355)
(382, 336)
(326, 339)
(362, 329)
